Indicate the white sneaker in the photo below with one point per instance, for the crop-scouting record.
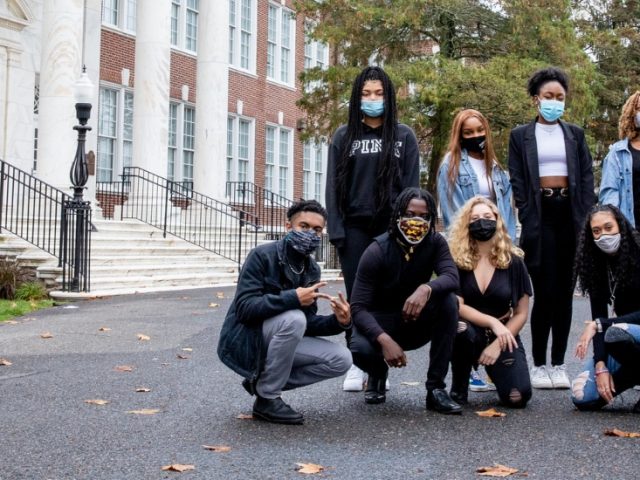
(558, 375)
(354, 381)
(540, 377)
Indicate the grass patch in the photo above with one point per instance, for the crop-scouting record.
(15, 308)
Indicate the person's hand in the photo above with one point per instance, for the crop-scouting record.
(341, 308)
(308, 295)
(504, 337)
(583, 343)
(416, 302)
(392, 352)
(606, 388)
(490, 354)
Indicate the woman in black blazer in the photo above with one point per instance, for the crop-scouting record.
(552, 178)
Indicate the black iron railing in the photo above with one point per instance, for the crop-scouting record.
(176, 209)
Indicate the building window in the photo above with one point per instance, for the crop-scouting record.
(240, 141)
(182, 137)
(279, 161)
(188, 143)
(173, 140)
(115, 133)
(313, 171)
(184, 24)
(120, 14)
(281, 29)
(242, 34)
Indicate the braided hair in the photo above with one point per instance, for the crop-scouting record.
(387, 167)
(402, 203)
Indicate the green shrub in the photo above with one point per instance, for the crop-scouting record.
(31, 291)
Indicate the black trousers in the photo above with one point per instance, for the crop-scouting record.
(436, 324)
(508, 373)
(553, 295)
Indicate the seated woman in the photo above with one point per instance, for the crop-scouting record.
(608, 268)
(494, 303)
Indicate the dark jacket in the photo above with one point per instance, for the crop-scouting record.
(266, 288)
(385, 279)
(525, 180)
(363, 183)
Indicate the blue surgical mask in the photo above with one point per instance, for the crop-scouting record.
(304, 242)
(551, 110)
(372, 108)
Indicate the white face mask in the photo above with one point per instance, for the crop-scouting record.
(637, 119)
(608, 243)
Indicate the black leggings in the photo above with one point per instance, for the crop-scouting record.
(510, 373)
(552, 292)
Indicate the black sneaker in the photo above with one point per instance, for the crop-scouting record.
(274, 410)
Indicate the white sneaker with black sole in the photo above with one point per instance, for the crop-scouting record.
(540, 377)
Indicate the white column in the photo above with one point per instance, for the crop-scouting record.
(212, 91)
(151, 85)
(62, 22)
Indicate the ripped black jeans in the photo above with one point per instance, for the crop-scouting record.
(510, 373)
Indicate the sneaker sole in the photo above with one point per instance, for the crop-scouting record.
(474, 388)
(543, 387)
(266, 418)
(352, 388)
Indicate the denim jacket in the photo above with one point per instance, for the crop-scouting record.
(466, 186)
(616, 187)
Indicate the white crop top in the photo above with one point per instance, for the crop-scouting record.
(484, 186)
(552, 156)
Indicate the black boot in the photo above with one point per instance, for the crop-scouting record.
(274, 410)
(439, 400)
(376, 391)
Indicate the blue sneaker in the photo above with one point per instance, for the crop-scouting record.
(477, 384)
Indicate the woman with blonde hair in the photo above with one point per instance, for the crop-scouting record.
(620, 185)
(494, 303)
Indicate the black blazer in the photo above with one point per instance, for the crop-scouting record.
(525, 180)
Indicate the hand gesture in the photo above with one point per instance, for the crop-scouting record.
(308, 295)
(490, 354)
(583, 343)
(341, 308)
(416, 302)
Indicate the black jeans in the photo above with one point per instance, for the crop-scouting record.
(510, 372)
(552, 292)
(436, 324)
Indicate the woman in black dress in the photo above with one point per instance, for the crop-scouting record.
(494, 304)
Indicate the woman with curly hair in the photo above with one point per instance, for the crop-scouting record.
(620, 185)
(608, 269)
(494, 303)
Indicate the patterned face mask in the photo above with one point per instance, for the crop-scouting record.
(304, 242)
(413, 229)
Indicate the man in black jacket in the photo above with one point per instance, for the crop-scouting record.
(397, 306)
(269, 333)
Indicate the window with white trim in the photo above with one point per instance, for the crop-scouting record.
(242, 34)
(314, 168)
(115, 133)
(181, 144)
(120, 14)
(240, 142)
(281, 29)
(278, 172)
(184, 24)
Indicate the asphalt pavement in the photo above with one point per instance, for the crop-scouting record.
(48, 431)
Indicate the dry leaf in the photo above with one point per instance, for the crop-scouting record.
(143, 389)
(231, 270)
(46, 335)
(104, 329)
(165, 364)
(143, 338)
(217, 448)
(183, 357)
(124, 368)
(410, 384)
(97, 401)
(492, 412)
(309, 468)
(5, 363)
(496, 471)
(145, 411)
(214, 305)
(11, 322)
(187, 349)
(614, 432)
(178, 467)
(244, 416)
(185, 298)
(219, 294)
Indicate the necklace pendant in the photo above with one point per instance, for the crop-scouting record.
(407, 257)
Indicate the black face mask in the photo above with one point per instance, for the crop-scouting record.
(473, 144)
(482, 229)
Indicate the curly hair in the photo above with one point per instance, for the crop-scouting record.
(401, 204)
(464, 248)
(544, 76)
(306, 206)
(591, 263)
(627, 124)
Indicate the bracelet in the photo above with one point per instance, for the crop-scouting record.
(604, 370)
(598, 325)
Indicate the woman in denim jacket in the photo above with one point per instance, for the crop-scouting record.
(469, 168)
(621, 166)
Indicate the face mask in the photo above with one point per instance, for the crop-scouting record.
(551, 110)
(482, 229)
(413, 229)
(473, 144)
(372, 108)
(303, 242)
(637, 119)
(608, 243)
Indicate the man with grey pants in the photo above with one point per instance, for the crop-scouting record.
(269, 335)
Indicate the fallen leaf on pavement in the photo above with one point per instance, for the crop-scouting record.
(614, 432)
(46, 335)
(309, 468)
(145, 411)
(214, 305)
(219, 294)
(217, 448)
(143, 338)
(178, 467)
(187, 349)
(185, 298)
(165, 364)
(104, 329)
(492, 412)
(244, 416)
(11, 322)
(124, 368)
(97, 401)
(143, 389)
(410, 384)
(183, 357)
(496, 471)
(5, 363)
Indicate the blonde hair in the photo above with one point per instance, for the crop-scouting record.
(627, 126)
(464, 249)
